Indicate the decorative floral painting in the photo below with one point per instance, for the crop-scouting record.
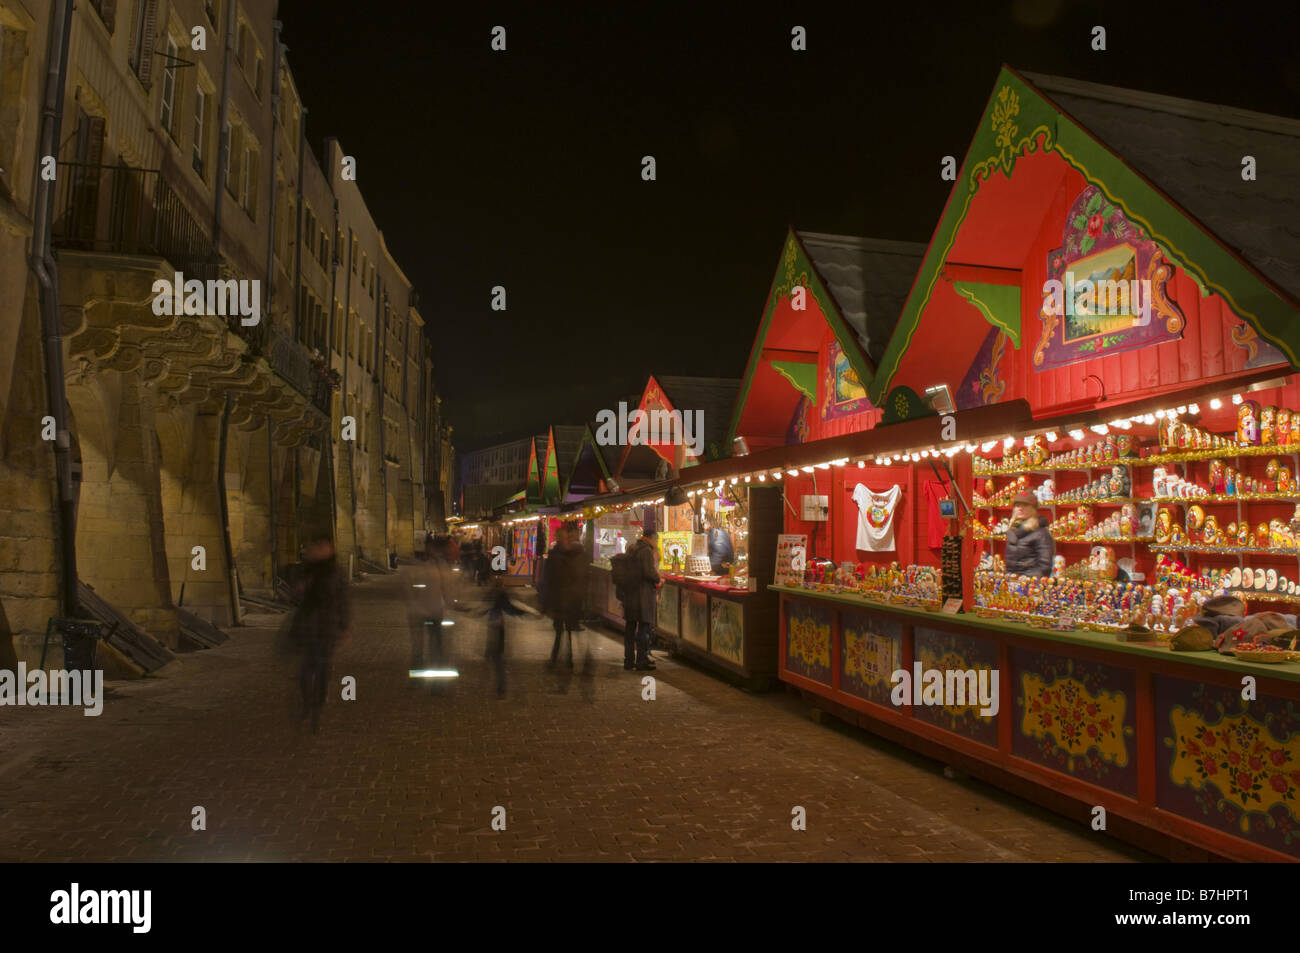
(1076, 717)
(945, 652)
(1124, 303)
(1227, 763)
(808, 641)
(695, 618)
(872, 651)
(726, 638)
(666, 609)
(844, 393)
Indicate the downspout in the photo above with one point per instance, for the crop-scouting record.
(329, 429)
(46, 269)
(270, 281)
(232, 577)
(381, 355)
(223, 136)
(352, 444)
(297, 253)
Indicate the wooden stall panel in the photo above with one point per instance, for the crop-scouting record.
(1075, 717)
(808, 640)
(871, 651)
(666, 618)
(695, 618)
(727, 628)
(1229, 764)
(950, 652)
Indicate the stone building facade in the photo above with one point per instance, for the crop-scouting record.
(204, 447)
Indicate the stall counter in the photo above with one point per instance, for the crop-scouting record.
(1158, 738)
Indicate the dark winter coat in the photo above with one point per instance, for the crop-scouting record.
(721, 552)
(642, 602)
(1030, 552)
(564, 580)
(325, 612)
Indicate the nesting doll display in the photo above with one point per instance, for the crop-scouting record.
(1282, 426)
(1210, 532)
(1217, 481)
(1248, 423)
(1267, 425)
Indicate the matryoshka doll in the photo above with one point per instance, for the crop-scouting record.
(1216, 476)
(1248, 423)
(1282, 427)
(1164, 525)
(1267, 425)
(1284, 482)
(1210, 532)
(1128, 525)
(1195, 521)
(1243, 533)
(1261, 536)
(1271, 468)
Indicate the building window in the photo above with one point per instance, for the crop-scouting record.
(200, 118)
(213, 8)
(257, 74)
(169, 90)
(241, 48)
(356, 250)
(142, 40)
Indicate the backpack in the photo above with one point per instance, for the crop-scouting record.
(625, 572)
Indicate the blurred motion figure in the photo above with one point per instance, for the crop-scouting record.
(321, 623)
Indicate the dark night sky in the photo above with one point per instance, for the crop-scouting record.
(523, 168)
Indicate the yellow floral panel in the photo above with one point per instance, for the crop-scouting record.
(1075, 718)
(1252, 771)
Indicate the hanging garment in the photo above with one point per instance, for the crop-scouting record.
(876, 517)
(934, 492)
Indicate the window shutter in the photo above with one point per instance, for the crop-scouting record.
(108, 13)
(147, 40)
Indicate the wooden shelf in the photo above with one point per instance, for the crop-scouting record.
(1224, 550)
(1110, 501)
(1250, 595)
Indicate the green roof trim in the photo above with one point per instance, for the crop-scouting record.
(588, 440)
(1000, 305)
(801, 375)
(796, 268)
(1016, 117)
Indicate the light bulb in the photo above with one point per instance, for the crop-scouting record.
(1194, 408)
(1160, 415)
(761, 477)
(1237, 398)
(733, 481)
(777, 475)
(1050, 437)
(863, 463)
(746, 480)
(807, 469)
(1076, 434)
(1149, 419)
(796, 472)
(1215, 404)
(1182, 410)
(986, 447)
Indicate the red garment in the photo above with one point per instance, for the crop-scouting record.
(934, 492)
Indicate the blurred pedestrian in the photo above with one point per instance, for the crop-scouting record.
(321, 624)
(425, 583)
(499, 605)
(645, 558)
(563, 588)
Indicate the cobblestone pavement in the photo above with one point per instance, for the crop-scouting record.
(703, 772)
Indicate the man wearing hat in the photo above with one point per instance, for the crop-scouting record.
(1030, 548)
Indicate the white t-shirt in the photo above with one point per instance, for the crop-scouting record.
(876, 517)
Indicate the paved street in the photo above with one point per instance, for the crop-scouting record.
(703, 772)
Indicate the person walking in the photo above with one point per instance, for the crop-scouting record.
(563, 588)
(425, 584)
(499, 605)
(1030, 547)
(321, 624)
(645, 558)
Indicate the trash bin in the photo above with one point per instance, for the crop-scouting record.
(79, 639)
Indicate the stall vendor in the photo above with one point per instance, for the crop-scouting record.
(1030, 548)
(721, 551)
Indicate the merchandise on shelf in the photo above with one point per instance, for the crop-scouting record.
(910, 585)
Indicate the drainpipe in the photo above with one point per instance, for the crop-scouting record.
(275, 155)
(46, 269)
(329, 430)
(297, 253)
(352, 444)
(232, 577)
(381, 348)
(223, 138)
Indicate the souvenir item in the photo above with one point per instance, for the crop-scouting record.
(1267, 425)
(1195, 518)
(1177, 535)
(1261, 580)
(1261, 535)
(1271, 582)
(1164, 524)
(1160, 481)
(1248, 578)
(1248, 423)
(1235, 578)
(1284, 481)
(1271, 468)
(876, 517)
(1216, 476)
(1283, 427)
(1243, 534)
(1210, 531)
(1124, 445)
(1182, 436)
(1230, 482)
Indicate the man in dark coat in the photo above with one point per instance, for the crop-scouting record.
(1030, 547)
(564, 587)
(321, 623)
(643, 603)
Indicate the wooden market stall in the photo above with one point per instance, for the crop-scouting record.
(1142, 309)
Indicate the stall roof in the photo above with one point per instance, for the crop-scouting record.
(713, 395)
(1235, 238)
(869, 278)
(1198, 164)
